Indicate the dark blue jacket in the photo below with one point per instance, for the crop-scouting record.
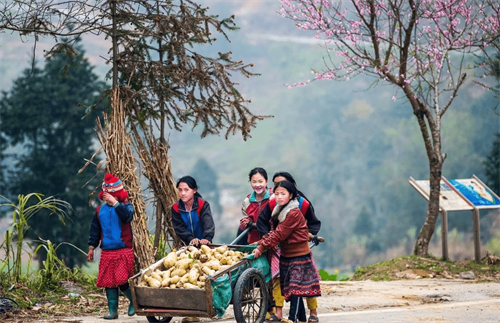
(195, 224)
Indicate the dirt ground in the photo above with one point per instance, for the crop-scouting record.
(363, 295)
(337, 297)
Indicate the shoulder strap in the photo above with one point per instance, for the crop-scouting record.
(198, 210)
(176, 207)
(200, 206)
(272, 204)
(303, 205)
(97, 210)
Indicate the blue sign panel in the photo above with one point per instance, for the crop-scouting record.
(475, 192)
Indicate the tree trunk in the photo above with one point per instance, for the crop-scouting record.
(430, 127)
(115, 44)
(427, 230)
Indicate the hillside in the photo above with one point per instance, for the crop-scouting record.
(350, 147)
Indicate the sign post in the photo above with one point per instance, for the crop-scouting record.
(460, 195)
(444, 233)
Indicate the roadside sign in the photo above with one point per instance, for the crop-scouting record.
(449, 199)
(476, 192)
(458, 195)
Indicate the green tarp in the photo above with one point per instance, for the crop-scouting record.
(222, 287)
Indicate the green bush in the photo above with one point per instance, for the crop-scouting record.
(326, 276)
(494, 245)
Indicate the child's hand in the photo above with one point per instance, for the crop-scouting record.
(194, 242)
(109, 199)
(244, 222)
(256, 253)
(90, 255)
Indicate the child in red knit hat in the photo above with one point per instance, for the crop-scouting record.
(111, 230)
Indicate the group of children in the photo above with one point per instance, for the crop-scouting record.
(283, 222)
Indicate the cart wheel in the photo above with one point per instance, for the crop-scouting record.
(154, 319)
(250, 297)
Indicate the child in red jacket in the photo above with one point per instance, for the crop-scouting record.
(254, 203)
(298, 277)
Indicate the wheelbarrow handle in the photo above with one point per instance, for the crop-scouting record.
(315, 240)
(248, 228)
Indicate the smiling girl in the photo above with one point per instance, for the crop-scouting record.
(298, 277)
(255, 202)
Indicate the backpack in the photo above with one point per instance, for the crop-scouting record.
(198, 210)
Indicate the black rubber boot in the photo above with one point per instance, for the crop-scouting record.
(128, 294)
(112, 296)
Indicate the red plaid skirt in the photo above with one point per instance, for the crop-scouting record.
(299, 276)
(115, 267)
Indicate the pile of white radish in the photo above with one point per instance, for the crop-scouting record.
(190, 268)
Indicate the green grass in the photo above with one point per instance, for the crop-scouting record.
(33, 287)
(24, 268)
(439, 268)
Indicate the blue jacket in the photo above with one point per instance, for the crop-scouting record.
(111, 227)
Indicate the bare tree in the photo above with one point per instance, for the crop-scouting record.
(158, 78)
(421, 47)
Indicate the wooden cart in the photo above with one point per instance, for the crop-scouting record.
(249, 296)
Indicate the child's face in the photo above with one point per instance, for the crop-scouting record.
(258, 183)
(282, 196)
(185, 192)
(279, 179)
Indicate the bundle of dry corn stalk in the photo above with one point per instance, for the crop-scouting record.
(157, 169)
(117, 145)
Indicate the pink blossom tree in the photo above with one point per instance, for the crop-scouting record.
(421, 47)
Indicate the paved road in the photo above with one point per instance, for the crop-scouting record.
(475, 311)
(426, 300)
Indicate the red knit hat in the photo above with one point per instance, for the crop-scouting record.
(113, 185)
